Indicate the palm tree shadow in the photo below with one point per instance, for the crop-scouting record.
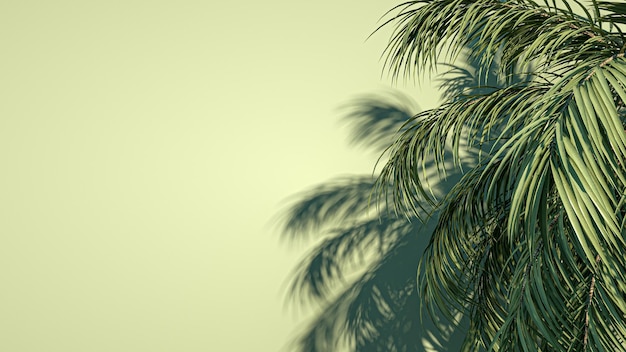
(362, 270)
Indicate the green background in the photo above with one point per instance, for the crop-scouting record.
(145, 148)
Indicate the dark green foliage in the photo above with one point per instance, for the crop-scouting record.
(530, 242)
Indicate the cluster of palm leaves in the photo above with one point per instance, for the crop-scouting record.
(528, 244)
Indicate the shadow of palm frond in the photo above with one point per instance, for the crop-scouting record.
(375, 119)
(363, 272)
(363, 268)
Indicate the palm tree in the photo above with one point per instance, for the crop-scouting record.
(529, 244)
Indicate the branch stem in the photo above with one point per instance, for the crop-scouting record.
(592, 288)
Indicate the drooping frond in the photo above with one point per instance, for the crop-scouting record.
(523, 32)
(486, 120)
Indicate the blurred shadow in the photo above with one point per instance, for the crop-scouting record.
(362, 270)
(375, 119)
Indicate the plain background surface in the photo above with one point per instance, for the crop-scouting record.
(146, 146)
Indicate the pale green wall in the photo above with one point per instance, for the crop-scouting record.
(144, 148)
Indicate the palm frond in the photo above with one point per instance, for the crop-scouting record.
(616, 11)
(523, 32)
